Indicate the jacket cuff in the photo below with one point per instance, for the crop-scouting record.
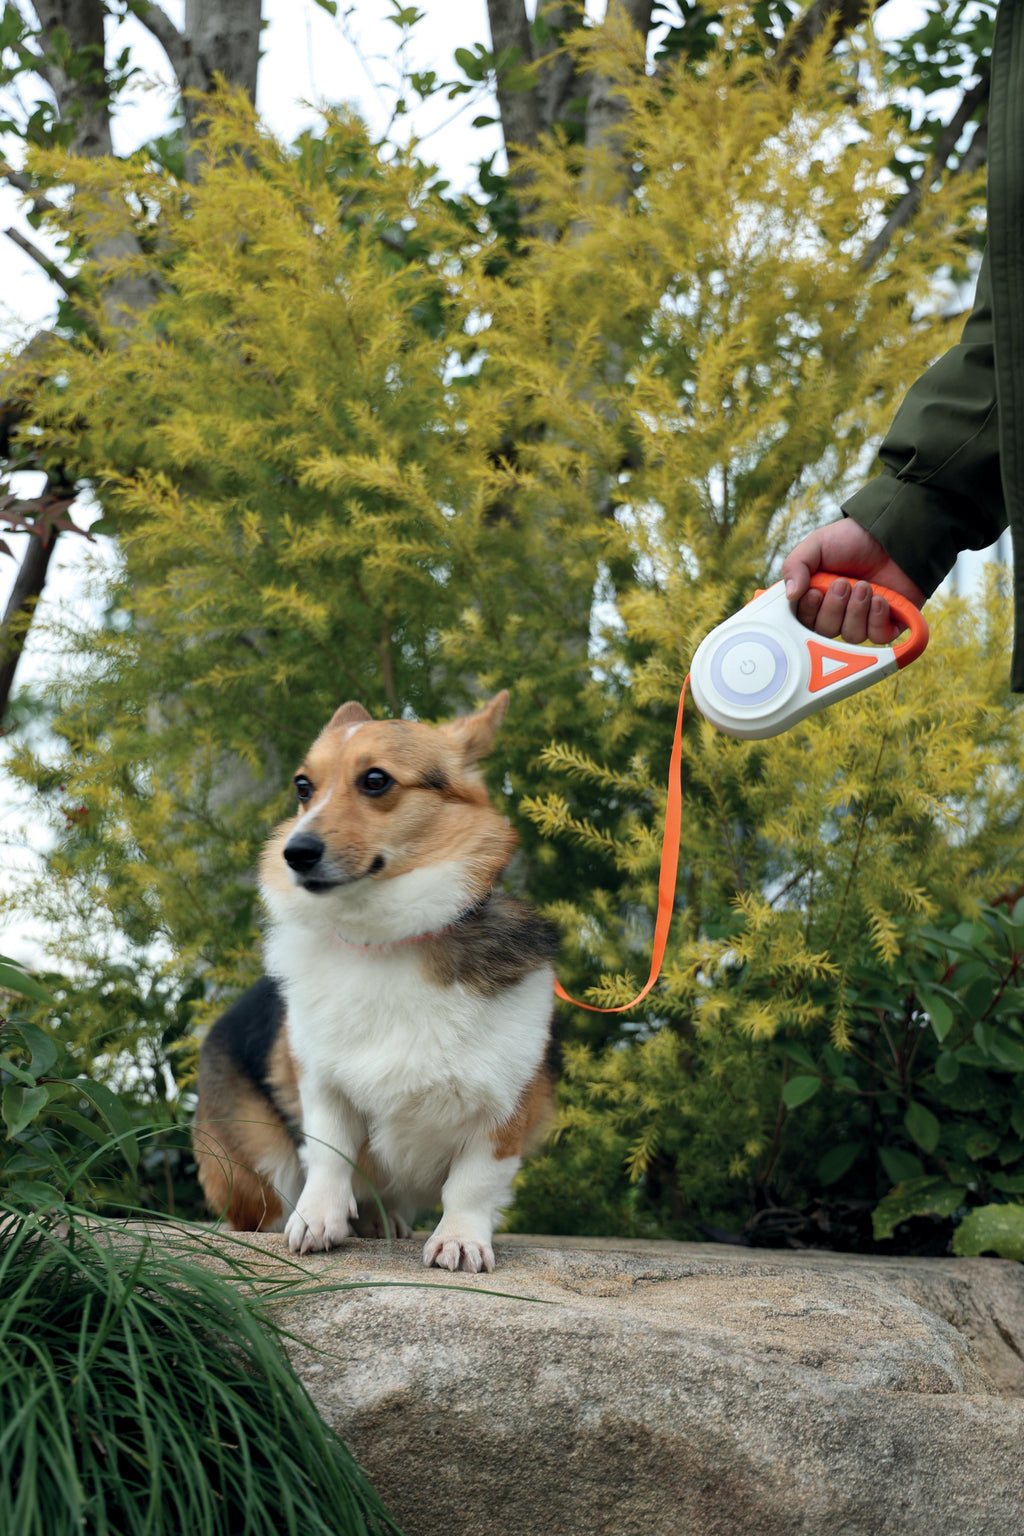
(921, 528)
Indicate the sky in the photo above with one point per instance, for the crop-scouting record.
(308, 58)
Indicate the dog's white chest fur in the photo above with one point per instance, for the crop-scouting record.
(422, 1064)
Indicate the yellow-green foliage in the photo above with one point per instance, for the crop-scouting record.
(805, 862)
(359, 447)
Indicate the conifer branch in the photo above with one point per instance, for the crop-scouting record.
(947, 141)
(605, 106)
(23, 183)
(640, 13)
(157, 22)
(838, 16)
(216, 41)
(41, 259)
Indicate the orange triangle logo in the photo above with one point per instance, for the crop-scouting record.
(830, 666)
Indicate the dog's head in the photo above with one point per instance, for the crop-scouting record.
(393, 815)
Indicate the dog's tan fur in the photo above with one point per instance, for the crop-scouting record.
(439, 809)
(238, 1128)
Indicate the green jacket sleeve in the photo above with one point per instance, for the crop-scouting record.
(941, 490)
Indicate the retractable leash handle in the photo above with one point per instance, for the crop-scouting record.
(761, 671)
(755, 676)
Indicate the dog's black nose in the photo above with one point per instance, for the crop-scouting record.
(302, 852)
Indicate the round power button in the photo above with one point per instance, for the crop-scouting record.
(749, 668)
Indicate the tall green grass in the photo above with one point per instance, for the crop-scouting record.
(142, 1394)
(144, 1387)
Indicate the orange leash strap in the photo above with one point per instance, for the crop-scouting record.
(667, 878)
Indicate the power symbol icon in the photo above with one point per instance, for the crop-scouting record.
(749, 668)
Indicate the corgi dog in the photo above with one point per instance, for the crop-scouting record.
(395, 1054)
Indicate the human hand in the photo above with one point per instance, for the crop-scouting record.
(849, 608)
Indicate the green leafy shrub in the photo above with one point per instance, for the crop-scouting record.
(69, 1134)
(48, 1125)
(917, 1121)
(927, 1100)
(359, 446)
(813, 866)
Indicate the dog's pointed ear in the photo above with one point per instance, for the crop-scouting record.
(474, 734)
(349, 714)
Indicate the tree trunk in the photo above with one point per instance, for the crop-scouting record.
(20, 606)
(220, 40)
(520, 118)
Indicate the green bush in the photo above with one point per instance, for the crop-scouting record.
(69, 1135)
(917, 1122)
(506, 469)
(926, 1106)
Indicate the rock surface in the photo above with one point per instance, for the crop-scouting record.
(602, 1388)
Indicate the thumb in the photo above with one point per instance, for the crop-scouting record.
(800, 564)
(797, 569)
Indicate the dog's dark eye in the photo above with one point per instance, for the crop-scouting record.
(303, 787)
(375, 781)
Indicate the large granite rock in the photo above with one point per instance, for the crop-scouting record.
(673, 1389)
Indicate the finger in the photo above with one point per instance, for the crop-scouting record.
(882, 629)
(807, 608)
(833, 609)
(854, 627)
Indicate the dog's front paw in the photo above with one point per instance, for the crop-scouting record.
(318, 1224)
(456, 1250)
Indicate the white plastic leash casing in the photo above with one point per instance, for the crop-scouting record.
(762, 670)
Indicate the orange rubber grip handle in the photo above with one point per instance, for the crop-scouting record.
(907, 613)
